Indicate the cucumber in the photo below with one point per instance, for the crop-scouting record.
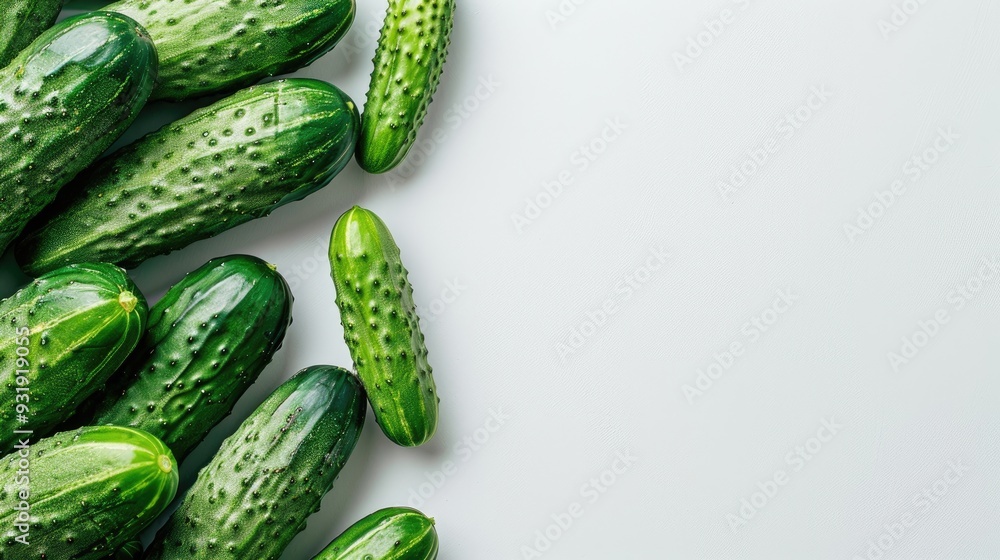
(381, 327)
(269, 476)
(209, 46)
(408, 63)
(63, 100)
(87, 493)
(61, 337)
(219, 167)
(207, 341)
(23, 21)
(395, 533)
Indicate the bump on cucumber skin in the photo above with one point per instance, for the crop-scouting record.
(22, 22)
(410, 57)
(271, 474)
(207, 341)
(79, 335)
(211, 46)
(92, 490)
(223, 165)
(381, 327)
(395, 533)
(61, 107)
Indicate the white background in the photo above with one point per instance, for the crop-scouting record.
(620, 386)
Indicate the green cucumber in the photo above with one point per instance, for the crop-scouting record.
(219, 167)
(395, 533)
(63, 100)
(23, 21)
(208, 46)
(269, 476)
(61, 338)
(408, 63)
(87, 492)
(207, 341)
(381, 327)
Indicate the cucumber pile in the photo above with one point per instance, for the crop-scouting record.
(105, 394)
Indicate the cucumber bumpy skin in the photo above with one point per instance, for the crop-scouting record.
(408, 64)
(208, 340)
(381, 327)
(395, 533)
(216, 46)
(63, 101)
(271, 474)
(223, 165)
(22, 22)
(62, 337)
(91, 491)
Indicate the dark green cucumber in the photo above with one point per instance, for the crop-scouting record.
(269, 476)
(408, 63)
(22, 22)
(395, 533)
(209, 46)
(207, 341)
(381, 327)
(81, 495)
(61, 338)
(219, 167)
(63, 100)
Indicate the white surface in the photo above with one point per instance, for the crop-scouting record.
(496, 345)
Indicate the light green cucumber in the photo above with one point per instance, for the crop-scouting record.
(408, 64)
(381, 327)
(395, 533)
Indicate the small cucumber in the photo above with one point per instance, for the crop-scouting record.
(395, 533)
(208, 340)
(89, 492)
(381, 327)
(269, 476)
(61, 338)
(408, 63)
(22, 22)
(210, 46)
(221, 166)
(63, 100)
